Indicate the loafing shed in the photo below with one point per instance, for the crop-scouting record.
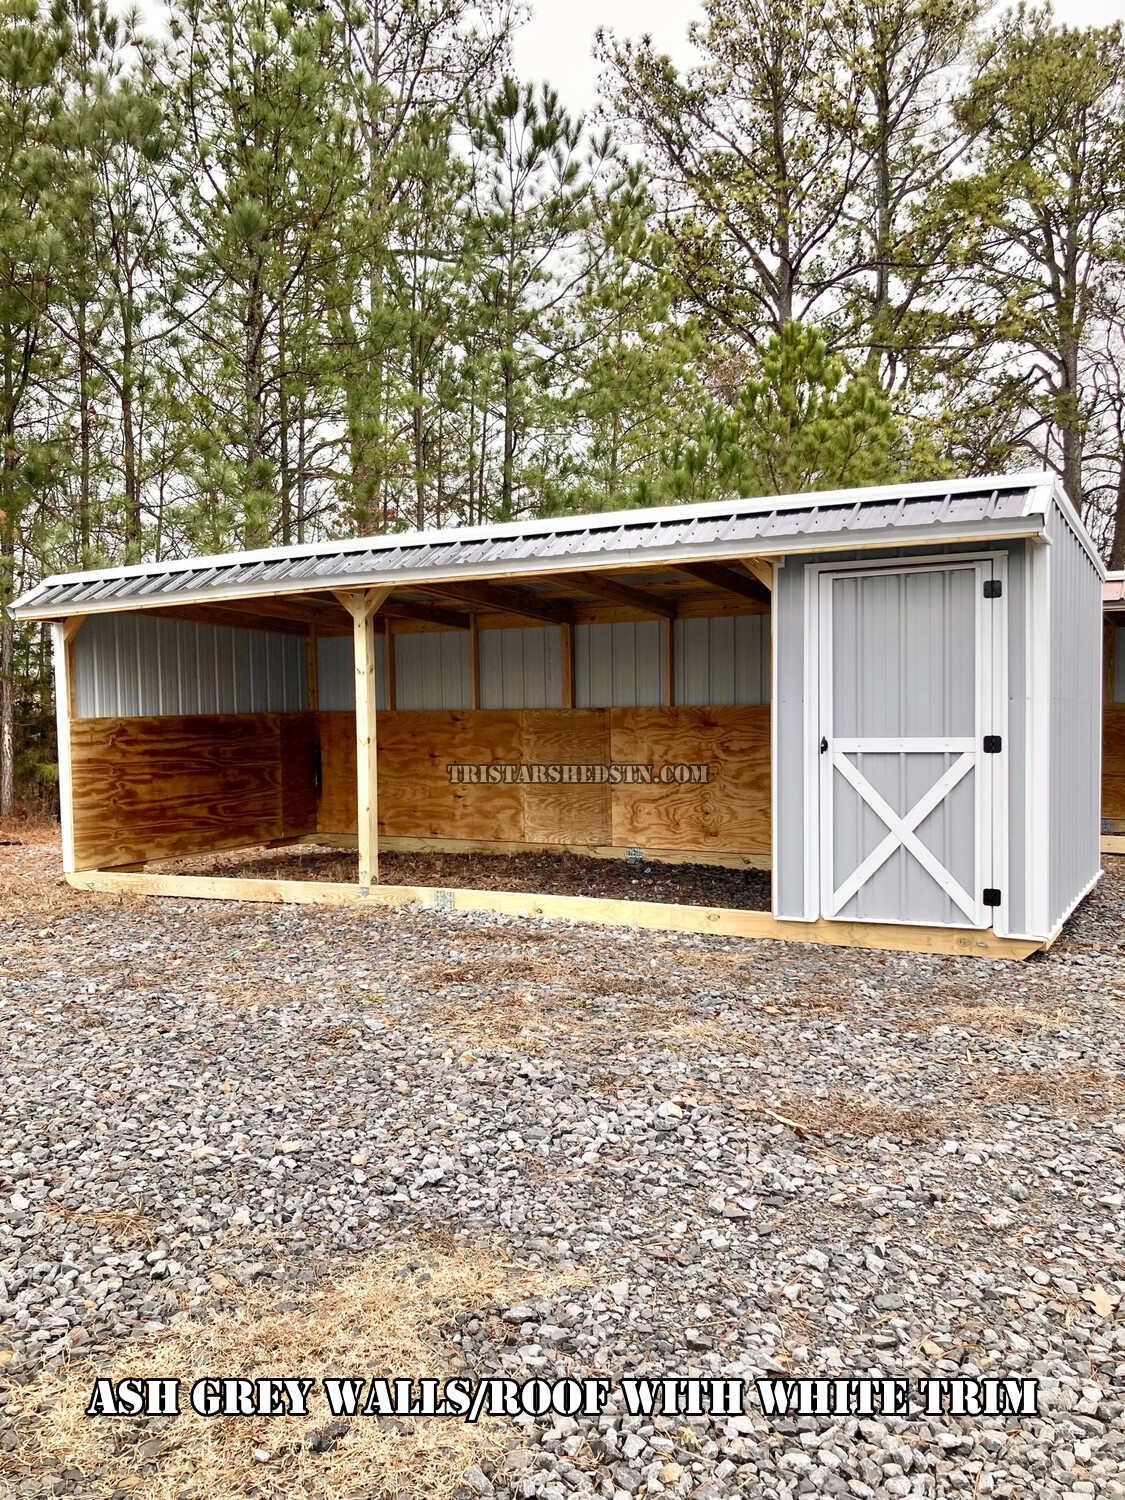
(895, 693)
(1113, 712)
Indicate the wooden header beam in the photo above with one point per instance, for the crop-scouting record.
(730, 580)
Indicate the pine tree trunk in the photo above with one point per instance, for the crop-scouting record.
(7, 686)
(83, 437)
(1117, 550)
(132, 527)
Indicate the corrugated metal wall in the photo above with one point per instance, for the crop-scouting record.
(904, 667)
(521, 668)
(793, 897)
(1076, 694)
(432, 669)
(139, 665)
(1119, 664)
(723, 660)
(619, 665)
(335, 673)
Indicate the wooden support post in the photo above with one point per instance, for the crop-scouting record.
(474, 662)
(312, 670)
(567, 665)
(669, 663)
(391, 669)
(362, 604)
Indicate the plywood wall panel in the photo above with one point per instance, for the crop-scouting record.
(145, 788)
(297, 744)
(730, 813)
(566, 814)
(416, 797)
(1113, 760)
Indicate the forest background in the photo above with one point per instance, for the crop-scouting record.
(276, 272)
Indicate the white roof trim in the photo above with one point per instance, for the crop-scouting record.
(1035, 481)
(508, 570)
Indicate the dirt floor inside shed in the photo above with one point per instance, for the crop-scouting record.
(260, 1140)
(544, 873)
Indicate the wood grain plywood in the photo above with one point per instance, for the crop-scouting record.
(336, 811)
(297, 750)
(730, 813)
(1113, 760)
(416, 798)
(145, 788)
(566, 814)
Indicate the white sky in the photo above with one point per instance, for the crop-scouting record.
(557, 42)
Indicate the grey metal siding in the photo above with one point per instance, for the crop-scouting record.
(790, 814)
(904, 666)
(790, 833)
(521, 668)
(1076, 692)
(619, 665)
(335, 673)
(1015, 894)
(723, 660)
(140, 665)
(432, 669)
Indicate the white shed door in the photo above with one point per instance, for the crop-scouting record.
(905, 781)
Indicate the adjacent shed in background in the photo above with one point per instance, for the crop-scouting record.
(1113, 715)
(896, 694)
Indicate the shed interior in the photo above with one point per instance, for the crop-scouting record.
(201, 728)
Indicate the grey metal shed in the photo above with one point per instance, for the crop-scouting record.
(898, 689)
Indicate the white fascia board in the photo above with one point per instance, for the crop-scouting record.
(1034, 481)
(508, 570)
(1053, 492)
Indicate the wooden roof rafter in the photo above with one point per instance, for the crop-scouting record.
(512, 601)
(622, 593)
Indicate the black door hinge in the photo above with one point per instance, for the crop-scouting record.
(991, 896)
(993, 588)
(993, 744)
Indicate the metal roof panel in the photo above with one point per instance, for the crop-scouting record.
(716, 527)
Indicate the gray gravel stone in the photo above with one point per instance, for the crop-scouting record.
(733, 1159)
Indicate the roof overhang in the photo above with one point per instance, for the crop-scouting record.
(834, 521)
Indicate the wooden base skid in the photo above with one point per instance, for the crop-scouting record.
(656, 915)
(1113, 843)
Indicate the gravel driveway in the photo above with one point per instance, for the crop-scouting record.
(724, 1158)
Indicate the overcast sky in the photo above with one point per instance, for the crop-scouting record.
(557, 42)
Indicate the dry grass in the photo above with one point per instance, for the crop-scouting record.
(382, 1320)
(990, 1016)
(543, 970)
(1073, 1091)
(823, 992)
(846, 1114)
(31, 879)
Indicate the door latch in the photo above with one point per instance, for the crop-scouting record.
(823, 744)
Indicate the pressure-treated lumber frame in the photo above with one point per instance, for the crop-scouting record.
(654, 915)
(362, 605)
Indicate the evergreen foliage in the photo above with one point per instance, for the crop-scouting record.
(313, 268)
